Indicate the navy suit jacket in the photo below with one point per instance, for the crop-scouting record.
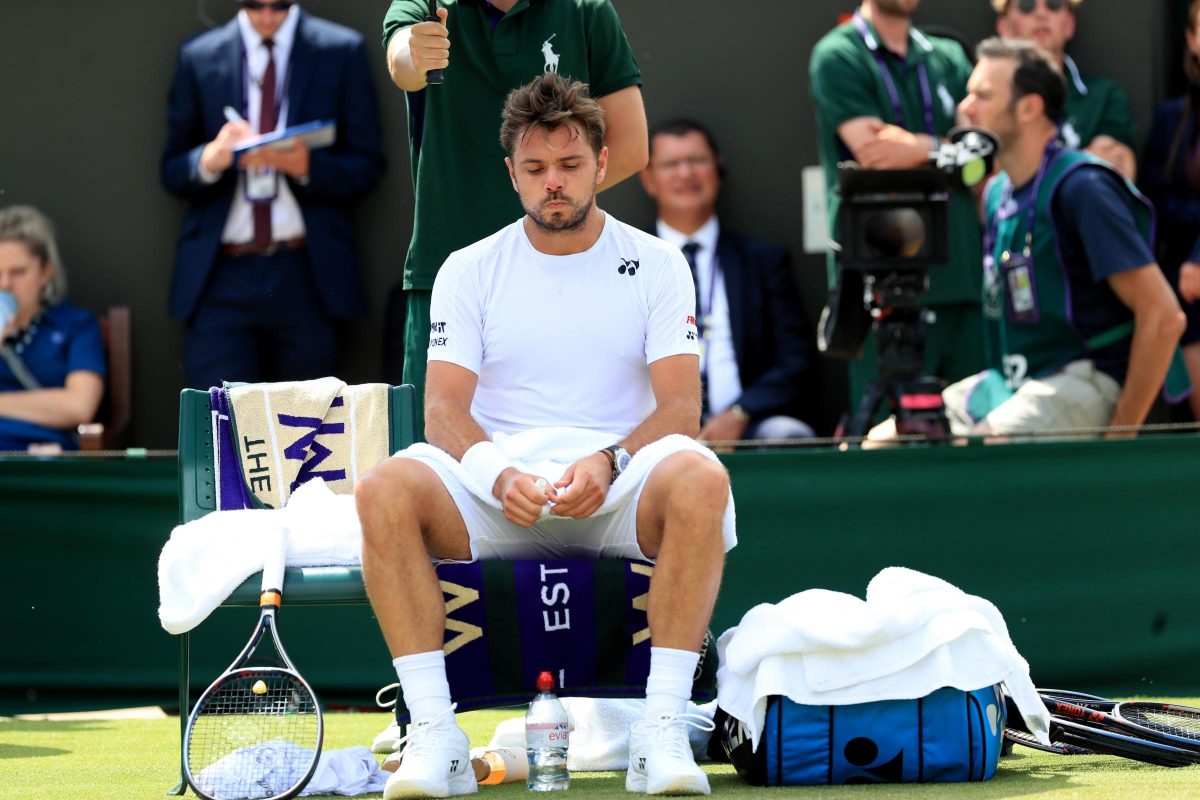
(328, 78)
(772, 338)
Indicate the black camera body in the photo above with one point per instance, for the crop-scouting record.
(893, 226)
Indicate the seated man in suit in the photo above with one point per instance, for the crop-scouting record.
(756, 350)
(266, 262)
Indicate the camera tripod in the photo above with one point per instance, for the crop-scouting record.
(899, 325)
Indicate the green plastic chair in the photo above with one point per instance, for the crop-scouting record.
(197, 497)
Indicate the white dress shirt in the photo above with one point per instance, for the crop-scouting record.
(287, 221)
(718, 359)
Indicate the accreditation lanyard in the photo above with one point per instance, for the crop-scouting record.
(262, 184)
(872, 44)
(1009, 208)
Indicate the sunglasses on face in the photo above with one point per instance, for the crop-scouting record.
(257, 5)
(1029, 6)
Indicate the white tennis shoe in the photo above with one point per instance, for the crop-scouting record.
(435, 761)
(660, 756)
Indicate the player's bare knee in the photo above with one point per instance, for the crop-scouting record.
(699, 486)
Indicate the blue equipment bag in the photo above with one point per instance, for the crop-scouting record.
(948, 735)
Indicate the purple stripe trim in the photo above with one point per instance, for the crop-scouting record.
(556, 618)
(233, 492)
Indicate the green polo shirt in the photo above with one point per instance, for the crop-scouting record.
(463, 192)
(846, 84)
(1096, 106)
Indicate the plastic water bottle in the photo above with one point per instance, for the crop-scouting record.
(8, 308)
(547, 731)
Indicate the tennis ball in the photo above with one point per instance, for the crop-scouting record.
(259, 687)
(974, 171)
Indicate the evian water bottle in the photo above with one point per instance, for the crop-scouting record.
(547, 730)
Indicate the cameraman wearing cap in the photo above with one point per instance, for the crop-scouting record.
(1098, 118)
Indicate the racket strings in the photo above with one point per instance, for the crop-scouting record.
(254, 744)
(1174, 721)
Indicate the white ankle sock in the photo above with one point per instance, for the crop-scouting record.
(423, 682)
(669, 686)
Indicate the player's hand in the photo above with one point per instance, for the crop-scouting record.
(894, 148)
(583, 487)
(723, 427)
(217, 155)
(1189, 281)
(522, 496)
(292, 160)
(429, 44)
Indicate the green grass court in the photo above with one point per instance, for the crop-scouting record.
(137, 759)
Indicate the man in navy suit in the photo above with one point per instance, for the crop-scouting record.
(756, 349)
(266, 260)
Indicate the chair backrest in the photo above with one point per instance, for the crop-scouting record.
(197, 463)
(110, 430)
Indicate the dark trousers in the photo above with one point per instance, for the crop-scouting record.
(260, 319)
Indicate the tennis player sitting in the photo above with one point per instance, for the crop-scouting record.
(563, 387)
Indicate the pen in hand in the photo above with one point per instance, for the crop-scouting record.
(231, 114)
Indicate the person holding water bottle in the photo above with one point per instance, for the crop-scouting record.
(52, 363)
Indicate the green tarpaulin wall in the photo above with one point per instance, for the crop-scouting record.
(1089, 549)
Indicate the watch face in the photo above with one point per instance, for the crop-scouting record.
(621, 457)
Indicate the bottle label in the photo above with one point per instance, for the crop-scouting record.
(546, 734)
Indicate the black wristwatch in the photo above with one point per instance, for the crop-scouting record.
(619, 457)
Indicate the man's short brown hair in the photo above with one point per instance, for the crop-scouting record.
(1035, 72)
(549, 101)
(1001, 6)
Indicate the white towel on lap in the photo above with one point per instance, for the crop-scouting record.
(548, 452)
(913, 635)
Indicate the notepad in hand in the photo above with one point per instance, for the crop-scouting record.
(315, 134)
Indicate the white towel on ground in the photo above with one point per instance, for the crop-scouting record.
(600, 732)
(914, 634)
(348, 772)
(206, 559)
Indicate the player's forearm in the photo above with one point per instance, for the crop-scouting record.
(400, 64)
(676, 416)
(451, 429)
(1155, 336)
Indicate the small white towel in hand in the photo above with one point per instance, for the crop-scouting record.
(206, 559)
(914, 634)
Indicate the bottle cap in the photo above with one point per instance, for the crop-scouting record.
(545, 681)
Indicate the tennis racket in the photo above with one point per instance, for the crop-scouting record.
(433, 77)
(256, 732)
(1076, 730)
(1165, 722)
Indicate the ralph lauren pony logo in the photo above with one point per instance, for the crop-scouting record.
(629, 265)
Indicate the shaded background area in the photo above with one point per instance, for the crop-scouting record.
(84, 121)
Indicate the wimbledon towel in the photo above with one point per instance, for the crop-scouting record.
(914, 633)
(288, 433)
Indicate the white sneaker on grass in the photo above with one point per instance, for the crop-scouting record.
(435, 761)
(660, 756)
(387, 741)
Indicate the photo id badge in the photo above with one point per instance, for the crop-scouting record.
(1022, 293)
(262, 184)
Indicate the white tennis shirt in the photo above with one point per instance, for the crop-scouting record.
(563, 340)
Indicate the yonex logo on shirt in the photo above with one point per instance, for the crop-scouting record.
(435, 340)
(630, 265)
